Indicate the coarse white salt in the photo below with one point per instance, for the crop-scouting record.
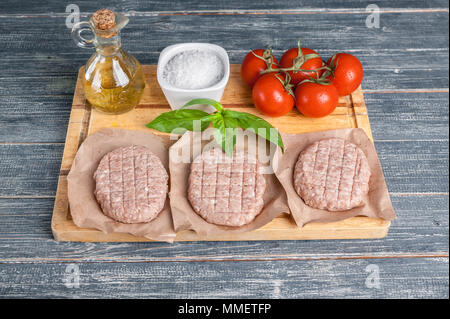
(194, 69)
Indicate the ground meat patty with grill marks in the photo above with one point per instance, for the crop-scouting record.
(332, 174)
(131, 184)
(226, 191)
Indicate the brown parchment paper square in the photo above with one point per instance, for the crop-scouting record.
(376, 203)
(184, 217)
(85, 210)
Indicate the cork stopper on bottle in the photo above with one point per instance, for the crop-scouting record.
(104, 19)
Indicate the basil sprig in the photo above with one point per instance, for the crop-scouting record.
(223, 120)
(182, 118)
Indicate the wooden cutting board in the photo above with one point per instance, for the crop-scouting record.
(351, 112)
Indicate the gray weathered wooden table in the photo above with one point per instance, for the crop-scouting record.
(406, 88)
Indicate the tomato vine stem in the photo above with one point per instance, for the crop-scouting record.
(297, 63)
(286, 84)
(267, 57)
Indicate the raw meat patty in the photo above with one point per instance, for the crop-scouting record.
(226, 191)
(131, 184)
(332, 174)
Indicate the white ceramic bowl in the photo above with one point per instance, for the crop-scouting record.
(178, 97)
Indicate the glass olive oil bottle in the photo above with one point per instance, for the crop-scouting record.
(113, 81)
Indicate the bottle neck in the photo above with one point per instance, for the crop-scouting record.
(107, 46)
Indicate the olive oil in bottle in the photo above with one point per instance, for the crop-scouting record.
(113, 81)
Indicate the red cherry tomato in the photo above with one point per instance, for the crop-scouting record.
(316, 100)
(348, 73)
(271, 97)
(287, 60)
(252, 66)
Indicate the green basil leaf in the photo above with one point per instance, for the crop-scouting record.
(225, 133)
(182, 118)
(255, 123)
(224, 122)
(211, 102)
(230, 133)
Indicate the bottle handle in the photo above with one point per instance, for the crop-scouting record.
(80, 41)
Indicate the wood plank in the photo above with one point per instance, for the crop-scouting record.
(25, 236)
(415, 166)
(54, 7)
(409, 116)
(237, 96)
(398, 278)
(385, 69)
(351, 112)
(54, 67)
(419, 115)
(29, 169)
(280, 228)
(38, 117)
(32, 119)
(342, 32)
